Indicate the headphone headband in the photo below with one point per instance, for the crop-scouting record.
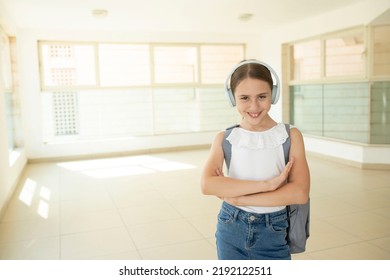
(275, 87)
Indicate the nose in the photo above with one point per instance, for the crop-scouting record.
(254, 104)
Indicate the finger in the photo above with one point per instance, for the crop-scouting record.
(290, 164)
(220, 172)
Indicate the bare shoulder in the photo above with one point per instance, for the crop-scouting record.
(216, 156)
(296, 135)
(220, 135)
(297, 142)
(218, 139)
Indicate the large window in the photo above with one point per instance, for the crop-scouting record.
(338, 88)
(100, 90)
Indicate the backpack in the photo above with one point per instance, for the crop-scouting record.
(298, 215)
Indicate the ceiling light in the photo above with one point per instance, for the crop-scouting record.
(99, 13)
(245, 17)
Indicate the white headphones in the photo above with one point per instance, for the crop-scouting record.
(275, 88)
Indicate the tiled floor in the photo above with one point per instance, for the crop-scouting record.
(150, 207)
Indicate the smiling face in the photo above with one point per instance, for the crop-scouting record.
(251, 85)
(253, 99)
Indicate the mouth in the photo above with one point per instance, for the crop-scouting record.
(253, 115)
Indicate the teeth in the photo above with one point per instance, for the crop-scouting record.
(254, 115)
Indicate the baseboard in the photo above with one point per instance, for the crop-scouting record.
(119, 154)
(361, 165)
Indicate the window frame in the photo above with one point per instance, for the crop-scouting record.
(323, 79)
(366, 77)
(153, 83)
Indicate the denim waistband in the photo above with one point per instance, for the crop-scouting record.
(253, 217)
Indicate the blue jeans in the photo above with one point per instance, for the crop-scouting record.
(248, 236)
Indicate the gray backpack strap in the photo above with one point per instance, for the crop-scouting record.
(298, 230)
(287, 144)
(227, 147)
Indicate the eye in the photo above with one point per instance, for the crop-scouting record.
(244, 98)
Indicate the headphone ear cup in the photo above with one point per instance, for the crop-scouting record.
(275, 94)
(230, 97)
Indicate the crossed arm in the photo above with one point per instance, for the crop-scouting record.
(274, 192)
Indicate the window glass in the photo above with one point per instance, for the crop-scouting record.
(381, 64)
(380, 113)
(175, 64)
(68, 65)
(344, 55)
(124, 65)
(5, 58)
(306, 60)
(332, 110)
(7, 89)
(217, 60)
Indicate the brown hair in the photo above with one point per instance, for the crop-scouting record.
(250, 70)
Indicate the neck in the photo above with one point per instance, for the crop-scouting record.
(261, 126)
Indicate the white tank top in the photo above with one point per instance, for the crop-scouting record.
(257, 156)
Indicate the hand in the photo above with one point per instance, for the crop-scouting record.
(280, 180)
(219, 172)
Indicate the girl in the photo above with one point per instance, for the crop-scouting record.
(252, 222)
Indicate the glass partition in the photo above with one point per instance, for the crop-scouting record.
(380, 113)
(358, 112)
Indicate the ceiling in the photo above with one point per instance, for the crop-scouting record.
(166, 15)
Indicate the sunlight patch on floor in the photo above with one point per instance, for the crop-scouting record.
(124, 166)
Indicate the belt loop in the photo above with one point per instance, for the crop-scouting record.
(236, 212)
(267, 220)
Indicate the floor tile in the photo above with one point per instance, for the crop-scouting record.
(95, 220)
(29, 230)
(95, 244)
(163, 233)
(195, 250)
(324, 235)
(363, 225)
(146, 214)
(34, 249)
(358, 251)
(205, 224)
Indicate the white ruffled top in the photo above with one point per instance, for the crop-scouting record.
(257, 156)
(254, 140)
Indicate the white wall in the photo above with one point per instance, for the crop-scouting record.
(10, 169)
